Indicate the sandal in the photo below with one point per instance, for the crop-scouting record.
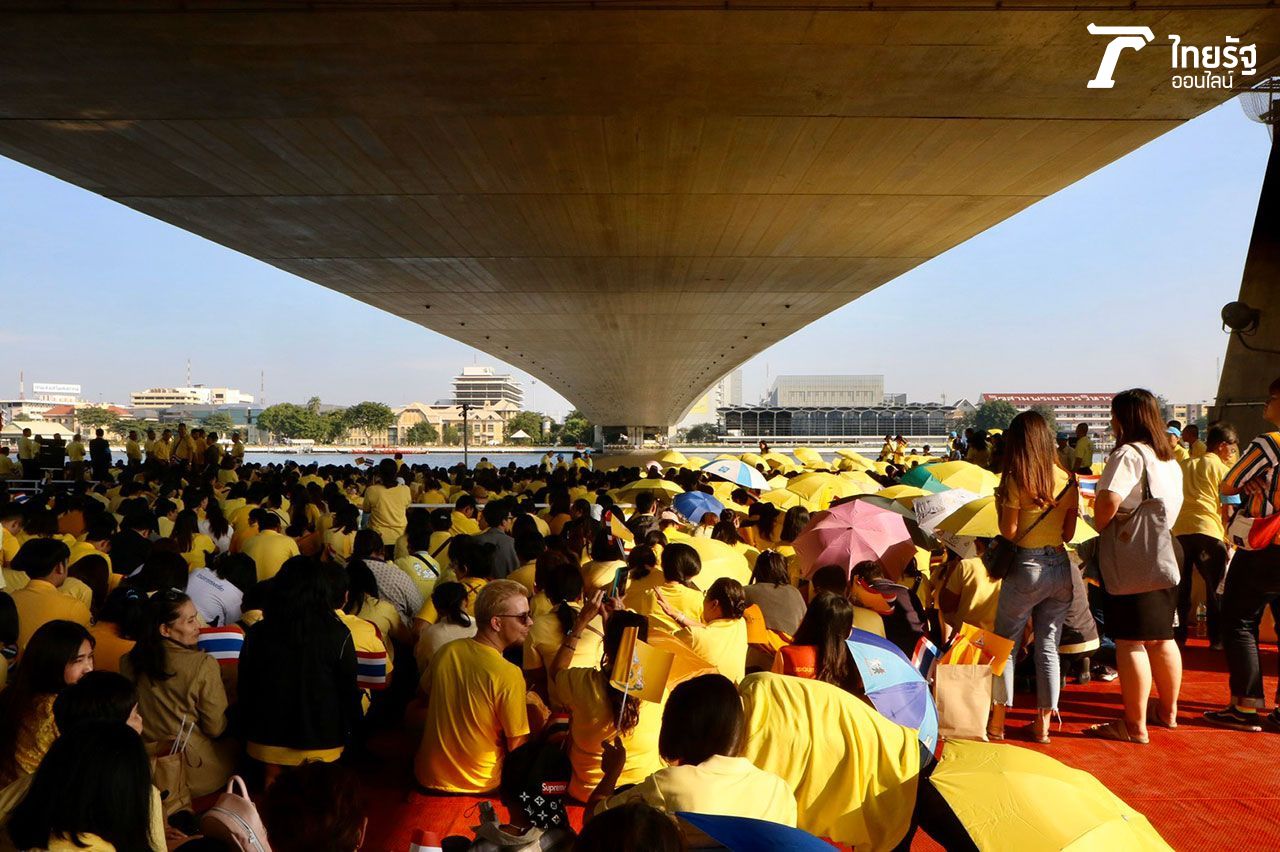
(1116, 731)
(995, 724)
(1033, 732)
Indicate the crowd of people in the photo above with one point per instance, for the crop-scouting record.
(181, 617)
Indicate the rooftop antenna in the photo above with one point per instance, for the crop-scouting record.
(22, 385)
(188, 372)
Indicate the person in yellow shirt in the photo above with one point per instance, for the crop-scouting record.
(29, 455)
(237, 448)
(9, 469)
(967, 594)
(194, 546)
(476, 712)
(44, 561)
(680, 565)
(559, 580)
(1201, 530)
(10, 535)
(184, 446)
(269, 549)
(1174, 430)
(1084, 450)
(133, 450)
(463, 518)
(600, 711)
(1191, 437)
(720, 637)
(75, 456)
(387, 501)
(703, 732)
(162, 448)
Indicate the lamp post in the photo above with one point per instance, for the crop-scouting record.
(466, 436)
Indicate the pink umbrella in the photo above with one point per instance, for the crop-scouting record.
(854, 532)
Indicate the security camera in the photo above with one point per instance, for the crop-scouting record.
(1239, 317)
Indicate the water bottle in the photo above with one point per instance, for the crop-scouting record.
(1202, 621)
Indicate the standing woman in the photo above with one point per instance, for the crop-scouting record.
(177, 683)
(387, 502)
(1039, 504)
(1141, 624)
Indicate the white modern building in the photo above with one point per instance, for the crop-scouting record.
(1069, 409)
(834, 391)
(192, 395)
(482, 386)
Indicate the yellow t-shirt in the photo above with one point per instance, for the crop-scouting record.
(132, 450)
(723, 643)
(1084, 452)
(75, 451)
(462, 525)
(594, 721)
(681, 598)
(975, 593)
(600, 575)
(386, 508)
(524, 575)
(477, 703)
(339, 545)
(1201, 502)
(1048, 532)
(543, 643)
(202, 549)
(40, 602)
(269, 550)
(1198, 449)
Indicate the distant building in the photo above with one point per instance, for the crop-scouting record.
(895, 399)
(1189, 413)
(819, 424)
(67, 415)
(482, 386)
(836, 391)
(487, 423)
(193, 395)
(726, 392)
(44, 395)
(1069, 409)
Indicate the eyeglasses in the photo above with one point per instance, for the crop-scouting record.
(526, 617)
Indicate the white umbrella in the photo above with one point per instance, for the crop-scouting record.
(519, 433)
(930, 510)
(738, 472)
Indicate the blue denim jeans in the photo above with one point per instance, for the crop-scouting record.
(1037, 589)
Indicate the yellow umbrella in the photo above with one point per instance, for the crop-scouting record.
(903, 494)
(718, 559)
(998, 792)
(722, 490)
(729, 456)
(1084, 532)
(695, 462)
(862, 479)
(753, 459)
(857, 458)
(784, 499)
(1096, 468)
(659, 485)
(777, 481)
(779, 461)
(672, 458)
(966, 475)
(808, 456)
(821, 488)
(880, 467)
(977, 518)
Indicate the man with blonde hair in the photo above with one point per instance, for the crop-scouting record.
(476, 712)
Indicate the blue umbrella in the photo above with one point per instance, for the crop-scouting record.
(894, 686)
(743, 834)
(738, 472)
(694, 504)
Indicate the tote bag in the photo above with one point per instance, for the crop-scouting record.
(1136, 551)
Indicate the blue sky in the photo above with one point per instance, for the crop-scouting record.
(1114, 281)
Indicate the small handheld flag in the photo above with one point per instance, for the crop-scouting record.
(640, 669)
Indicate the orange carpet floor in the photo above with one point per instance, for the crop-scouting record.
(1203, 788)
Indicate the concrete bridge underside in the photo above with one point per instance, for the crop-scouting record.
(626, 202)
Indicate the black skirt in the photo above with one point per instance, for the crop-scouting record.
(1144, 617)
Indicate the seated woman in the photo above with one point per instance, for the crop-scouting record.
(703, 732)
(179, 684)
(193, 546)
(122, 621)
(59, 654)
(680, 564)
(298, 694)
(452, 622)
(92, 791)
(819, 651)
(727, 531)
(601, 712)
(904, 622)
(606, 559)
(780, 602)
(720, 637)
(561, 581)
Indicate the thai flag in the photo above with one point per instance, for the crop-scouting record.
(1088, 486)
(371, 669)
(925, 655)
(222, 643)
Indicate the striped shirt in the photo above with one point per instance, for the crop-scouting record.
(1260, 459)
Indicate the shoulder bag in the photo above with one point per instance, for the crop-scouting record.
(1136, 551)
(1001, 552)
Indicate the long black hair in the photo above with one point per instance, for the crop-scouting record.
(680, 564)
(297, 608)
(95, 779)
(626, 707)
(361, 586)
(149, 653)
(561, 582)
(43, 672)
(825, 626)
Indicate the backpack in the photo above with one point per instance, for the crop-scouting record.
(234, 820)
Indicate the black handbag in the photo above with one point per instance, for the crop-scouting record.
(1000, 553)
